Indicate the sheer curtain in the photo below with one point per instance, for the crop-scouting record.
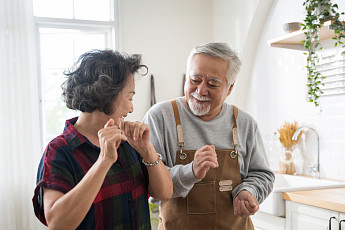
(19, 117)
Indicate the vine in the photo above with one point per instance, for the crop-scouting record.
(317, 13)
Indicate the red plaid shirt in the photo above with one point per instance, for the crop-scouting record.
(121, 202)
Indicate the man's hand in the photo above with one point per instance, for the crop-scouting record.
(245, 204)
(204, 159)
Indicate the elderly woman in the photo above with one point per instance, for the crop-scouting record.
(99, 172)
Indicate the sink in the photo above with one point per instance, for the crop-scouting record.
(274, 203)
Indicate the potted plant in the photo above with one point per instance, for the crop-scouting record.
(317, 13)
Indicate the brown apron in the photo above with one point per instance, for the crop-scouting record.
(209, 204)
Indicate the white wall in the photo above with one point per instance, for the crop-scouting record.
(240, 24)
(164, 32)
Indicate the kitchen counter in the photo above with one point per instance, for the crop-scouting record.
(332, 199)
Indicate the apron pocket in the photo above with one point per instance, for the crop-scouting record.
(202, 198)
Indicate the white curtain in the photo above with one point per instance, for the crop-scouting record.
(19, 118)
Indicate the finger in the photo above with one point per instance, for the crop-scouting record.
(248, 206)
(210, 159)
(204, 153)
(253, 203)
(207, 157)
(121, 123)
(116, 139)
(207, 165)
(236, 211)
(109, 123)
(244, 210)
(136, 131)
(236, 206)
(212, 146)
(118, 143)
(126, 129)
(143, 128)
(252, 209)
(206, 150)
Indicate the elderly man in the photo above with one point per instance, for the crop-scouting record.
(213, 150)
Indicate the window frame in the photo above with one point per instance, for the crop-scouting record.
(110, 28)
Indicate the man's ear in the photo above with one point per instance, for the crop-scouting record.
(230, 89)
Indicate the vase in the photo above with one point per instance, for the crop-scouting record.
(286, 163)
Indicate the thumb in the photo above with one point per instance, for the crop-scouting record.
(109, 123)
(121, 123)
(253, 203)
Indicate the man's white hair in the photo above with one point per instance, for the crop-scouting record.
(222, 51)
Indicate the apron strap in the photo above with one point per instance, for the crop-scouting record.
(180, 132)
(234, 128)
(178, 125)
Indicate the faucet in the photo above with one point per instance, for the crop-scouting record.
(316, 167)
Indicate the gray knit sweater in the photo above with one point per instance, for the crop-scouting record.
(257, 177)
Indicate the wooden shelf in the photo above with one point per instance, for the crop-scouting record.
(293, 40)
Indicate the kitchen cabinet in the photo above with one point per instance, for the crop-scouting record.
(341, 221)
(265, 221)
(302, 217)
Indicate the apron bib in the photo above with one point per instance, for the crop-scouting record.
(209, 204)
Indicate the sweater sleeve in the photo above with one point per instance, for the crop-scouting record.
(164, 139)
(258, 178)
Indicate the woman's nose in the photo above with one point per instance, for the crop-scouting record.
(131, 109)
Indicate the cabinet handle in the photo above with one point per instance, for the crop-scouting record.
(340, 224)
(330, 222)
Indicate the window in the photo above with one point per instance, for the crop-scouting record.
(331, 64)
(65, 30)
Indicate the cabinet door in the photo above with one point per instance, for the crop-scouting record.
(342, 221)
(302, 217)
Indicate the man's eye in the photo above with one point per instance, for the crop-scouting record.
(194, 80)
(213, 85)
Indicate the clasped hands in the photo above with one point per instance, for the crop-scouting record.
(113, 134)
(245, 203)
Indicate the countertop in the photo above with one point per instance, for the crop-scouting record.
(332, 199)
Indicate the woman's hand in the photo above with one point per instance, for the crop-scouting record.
(110, 138)
(138, 136)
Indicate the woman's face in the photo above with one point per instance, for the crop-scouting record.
(123, 103)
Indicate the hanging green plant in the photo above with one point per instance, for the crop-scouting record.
(317, 13)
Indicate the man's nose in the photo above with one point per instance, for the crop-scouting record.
(202, 89)
(131, 109)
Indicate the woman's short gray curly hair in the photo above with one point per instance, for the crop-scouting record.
(222, 51)
(97, 78)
